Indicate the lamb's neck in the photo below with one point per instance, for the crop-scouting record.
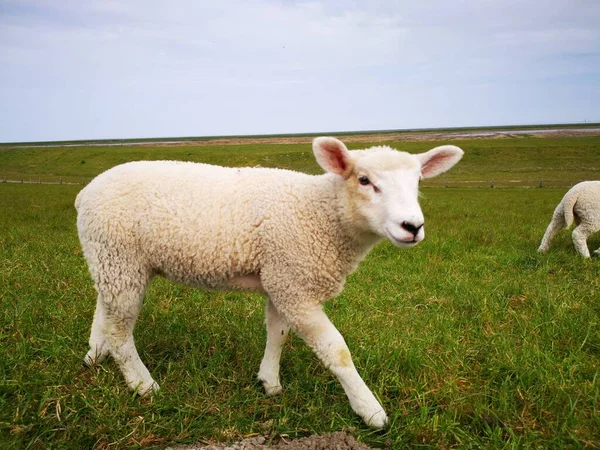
(353, 227)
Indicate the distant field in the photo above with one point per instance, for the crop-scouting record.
(569, 159)
(245, 139)
(470, 340)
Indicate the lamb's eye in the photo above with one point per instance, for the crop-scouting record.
(363, 180)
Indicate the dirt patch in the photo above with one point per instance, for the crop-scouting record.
(332, 441)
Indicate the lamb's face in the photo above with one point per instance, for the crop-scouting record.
(384, 188)
(382, 185)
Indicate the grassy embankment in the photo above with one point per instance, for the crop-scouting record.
(501, 160)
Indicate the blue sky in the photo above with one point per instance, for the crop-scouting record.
(91, 69)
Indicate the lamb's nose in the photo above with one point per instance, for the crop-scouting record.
(411, 227)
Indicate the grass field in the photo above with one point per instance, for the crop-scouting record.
(522, 158)
(471, 339)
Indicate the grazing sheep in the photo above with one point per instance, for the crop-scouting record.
(582, 203)
(290, 236)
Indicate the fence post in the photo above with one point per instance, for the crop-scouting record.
(492, 183)
(541, 183)
(60, 180)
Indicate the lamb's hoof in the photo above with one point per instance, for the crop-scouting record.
(272, 389)
(596, 253)
(91, 360)
(147, 389)
(378, 420)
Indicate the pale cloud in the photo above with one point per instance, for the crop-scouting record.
(133, 68)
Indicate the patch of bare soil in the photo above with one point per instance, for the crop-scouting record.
(332, 441)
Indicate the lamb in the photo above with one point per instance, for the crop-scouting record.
(291, 236)
(582, 204)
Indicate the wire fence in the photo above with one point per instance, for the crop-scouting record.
(68, 180)
(445, 183)
(492, 183)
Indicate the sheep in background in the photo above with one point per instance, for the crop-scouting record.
(582, 204)
(290, 236)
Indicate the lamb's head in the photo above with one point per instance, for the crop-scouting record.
(382, 185)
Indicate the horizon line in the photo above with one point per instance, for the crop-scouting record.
(307, 134)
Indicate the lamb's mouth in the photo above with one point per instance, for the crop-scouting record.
(402, 242)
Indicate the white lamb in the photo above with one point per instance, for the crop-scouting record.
(290, 236)
(581, 203)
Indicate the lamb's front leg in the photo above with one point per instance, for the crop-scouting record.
(317, 331)
(277, 333)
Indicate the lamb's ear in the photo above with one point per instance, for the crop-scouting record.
(333, 156)
(439, 159)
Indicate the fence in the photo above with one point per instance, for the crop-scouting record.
(436, 182)
(45, 180)
(533, 183)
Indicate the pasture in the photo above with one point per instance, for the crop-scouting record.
(471, 339)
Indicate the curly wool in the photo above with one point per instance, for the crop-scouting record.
(581, 204)
(291, 235)
(176, 219)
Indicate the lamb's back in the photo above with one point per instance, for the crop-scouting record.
(190, 219)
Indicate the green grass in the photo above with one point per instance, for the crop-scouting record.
(521, 158)
(471, 339)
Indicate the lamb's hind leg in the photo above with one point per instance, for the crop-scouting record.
(580, 235)
(121, 313)
(98, 347)
(594, 227)
(277, 333)
(556, 224)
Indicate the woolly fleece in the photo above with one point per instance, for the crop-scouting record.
(291, 236)
(582, 205)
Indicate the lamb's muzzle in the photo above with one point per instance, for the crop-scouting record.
(411, 228)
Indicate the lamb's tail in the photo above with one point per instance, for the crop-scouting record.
(568, 203)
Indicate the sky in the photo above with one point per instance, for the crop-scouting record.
(95, 69)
